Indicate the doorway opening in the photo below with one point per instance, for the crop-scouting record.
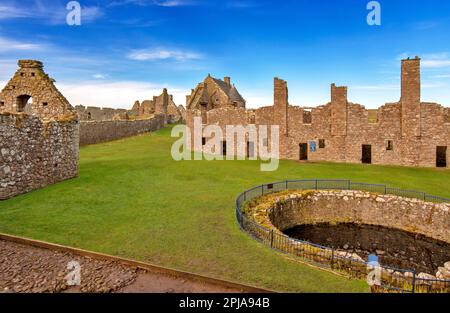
(441, 156)
(303, 152)
(366, 154)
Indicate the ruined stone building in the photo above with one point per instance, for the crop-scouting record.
(99, 114)
(214, 93)
(162, 104)
(39, 132)
(31, 91)
(408, 132)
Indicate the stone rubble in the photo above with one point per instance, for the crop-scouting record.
(27, 269)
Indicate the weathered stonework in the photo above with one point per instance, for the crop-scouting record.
(285, 210)
(33, 92)
(97, 114)
(212, 94)
(38, 138)
(408, 132)
(105, 124)
(349, 206)
(35, 153)
(162, 104)
(93, 132)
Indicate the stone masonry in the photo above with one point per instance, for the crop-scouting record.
(32, 91)
(38, 133)
(282, 211)
(98, 114)
(162, 104)
(93, 132)
(408, 132)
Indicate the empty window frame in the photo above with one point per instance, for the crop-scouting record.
(321, 143)
(307, 117)
(390, 145)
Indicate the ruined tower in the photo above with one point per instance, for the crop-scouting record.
(338, 110)
(410, 98)
(281, 106)
(164, 105)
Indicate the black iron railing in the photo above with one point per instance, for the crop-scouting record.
(389, 278)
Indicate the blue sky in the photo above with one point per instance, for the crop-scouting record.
(127, 50)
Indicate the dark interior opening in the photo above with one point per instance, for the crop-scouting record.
(23, 103)
(303, 152)
(224, 148)
(366, 154)
(321, 143)
(441, 156)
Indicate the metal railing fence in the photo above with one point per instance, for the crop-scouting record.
(391, 279)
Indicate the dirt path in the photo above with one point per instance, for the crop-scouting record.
(30, 269)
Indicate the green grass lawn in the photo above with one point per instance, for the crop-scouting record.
(132, 200)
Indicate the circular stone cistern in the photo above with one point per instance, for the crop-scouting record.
(404, 233)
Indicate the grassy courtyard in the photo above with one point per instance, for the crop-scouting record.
(132, 200)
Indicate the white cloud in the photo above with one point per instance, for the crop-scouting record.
(436, 63)
(48, 11)
(8, 44)
(9, 12)
(161, 3)
(58, 15)
(98, 76)
(171, 3)
(160, 54)
(8, 68)
(430, 60)
(120, 94)
(90, 14)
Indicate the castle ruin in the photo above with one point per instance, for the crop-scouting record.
(162, 104)
(408, 132)
(39, 132)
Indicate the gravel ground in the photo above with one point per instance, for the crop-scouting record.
(27, 269)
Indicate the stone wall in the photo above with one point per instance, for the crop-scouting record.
(98, 114)
(162, 104)
(35, 153)
(411, 215)
(33, 92)
(408, 132)
(93, 132)
(283, 211)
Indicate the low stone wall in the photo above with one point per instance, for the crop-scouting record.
(35, 153)
(284, 210)
(97, 114)
(359, 207)
(102, 131)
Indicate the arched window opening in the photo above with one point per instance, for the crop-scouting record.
(24, 104)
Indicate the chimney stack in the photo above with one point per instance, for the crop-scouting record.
(227, 80)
